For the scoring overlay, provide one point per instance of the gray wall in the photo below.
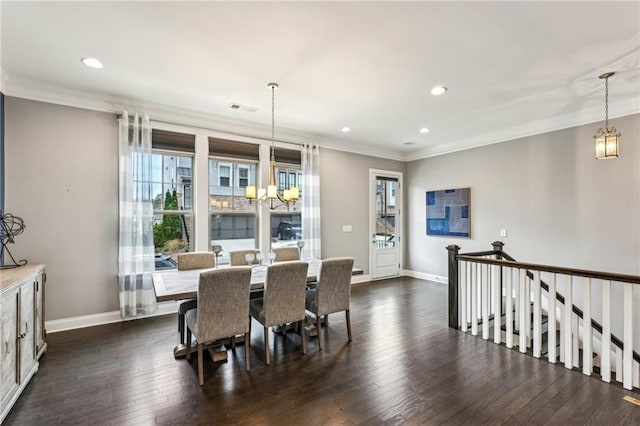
(62, 179)
(344, 196)
(559, 205)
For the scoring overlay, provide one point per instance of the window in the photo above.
(171, 192)
(286, 229)
(293, 182)
(232, 217)
(187, 196)
(172, 216)
(224, 174)
(243, 176)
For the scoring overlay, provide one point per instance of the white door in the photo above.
(385, 223)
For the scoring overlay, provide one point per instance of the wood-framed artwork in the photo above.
(448, 212)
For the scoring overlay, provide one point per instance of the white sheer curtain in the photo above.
(136, 253)
(311, 232)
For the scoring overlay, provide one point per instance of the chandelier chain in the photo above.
(273, 120)
(606, 104)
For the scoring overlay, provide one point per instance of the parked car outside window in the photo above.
(286, 231)
(164, 261)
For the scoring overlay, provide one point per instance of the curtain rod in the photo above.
(313, 146)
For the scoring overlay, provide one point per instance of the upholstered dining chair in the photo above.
(286, 253)
(223, 311)
(332, 293)
(186, 261)
(283, 300)
(237, 257)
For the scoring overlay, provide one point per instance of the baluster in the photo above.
(497, 294)
(469, 285)
(605, 358)
(576, 341)
(463, 296)
(587, 333)
(508, 305)
(474, 300)
(566, 326)
(618, 364)
(551, 320)
(523, 311)
(627, 357)
(537, 316)
(516, 290)
(485, 301)
(527, 306)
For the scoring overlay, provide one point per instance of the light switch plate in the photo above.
(503, 232)
(347, 228)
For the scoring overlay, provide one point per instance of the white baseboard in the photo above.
(72, 323)
(425, 276)
(358, 279)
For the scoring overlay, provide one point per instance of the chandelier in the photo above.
(272, 193)
(607, 139)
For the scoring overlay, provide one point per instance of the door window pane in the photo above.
(386, 213)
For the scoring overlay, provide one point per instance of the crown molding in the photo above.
(188, 118)
(587, 116)
(181, 117)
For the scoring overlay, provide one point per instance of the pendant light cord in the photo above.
(606, 104)
(273, 121)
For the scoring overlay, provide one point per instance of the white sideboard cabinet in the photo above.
(22, 332)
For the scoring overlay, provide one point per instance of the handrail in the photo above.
(509, 261)
(632, 279)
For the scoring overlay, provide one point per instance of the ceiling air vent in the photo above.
(241, 107)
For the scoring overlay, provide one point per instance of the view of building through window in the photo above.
(233, 220)
(171, 180)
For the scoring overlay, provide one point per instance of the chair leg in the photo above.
(302, 336)
(181, 327)
(233, 342)
(318, 321)
(188, 343)
(348, 323)
(267, 360)
(200, 364)
(247, 352)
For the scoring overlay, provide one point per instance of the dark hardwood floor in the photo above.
(404, 366)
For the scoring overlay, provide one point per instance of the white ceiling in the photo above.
(512, 68)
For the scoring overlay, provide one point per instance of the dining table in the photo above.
(180, 285)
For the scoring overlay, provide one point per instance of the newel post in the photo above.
(453, 285)
(497, 247)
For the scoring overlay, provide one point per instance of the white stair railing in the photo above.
(529, 305)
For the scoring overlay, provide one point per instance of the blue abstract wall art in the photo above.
(448, 212)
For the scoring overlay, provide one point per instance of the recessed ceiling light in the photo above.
(424, 130)
(92, 63)
(346, 129)
(438, 90)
